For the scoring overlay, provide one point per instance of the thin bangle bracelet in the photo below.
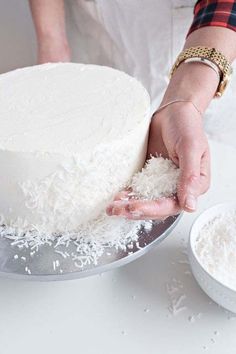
(176, 101)
(206, 62)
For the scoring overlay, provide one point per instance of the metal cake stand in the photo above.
(41, 264)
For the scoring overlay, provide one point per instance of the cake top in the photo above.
(68, 107)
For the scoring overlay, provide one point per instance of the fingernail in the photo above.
(116, 211)
(191, 202)
(116, 207)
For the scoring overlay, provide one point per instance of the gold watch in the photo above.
(210, 54)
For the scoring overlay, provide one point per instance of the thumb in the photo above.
(189, 180)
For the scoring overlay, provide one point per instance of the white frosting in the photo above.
(71, 136)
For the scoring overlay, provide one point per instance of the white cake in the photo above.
(71, 136)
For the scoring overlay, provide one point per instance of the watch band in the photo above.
(212, 55)
(206, 62)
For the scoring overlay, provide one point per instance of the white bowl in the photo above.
(220, 293)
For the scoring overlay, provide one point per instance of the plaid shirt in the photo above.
(221, 13)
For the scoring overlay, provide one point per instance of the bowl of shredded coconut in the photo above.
(212, 253)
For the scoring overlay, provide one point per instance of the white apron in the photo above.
(130, 35)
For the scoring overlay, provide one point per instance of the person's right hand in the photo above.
(177, 133)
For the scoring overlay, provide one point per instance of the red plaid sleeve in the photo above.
(221, 13)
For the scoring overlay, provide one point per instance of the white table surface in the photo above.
(126, 310)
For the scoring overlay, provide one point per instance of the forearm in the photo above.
(198, 82)
(49, 19)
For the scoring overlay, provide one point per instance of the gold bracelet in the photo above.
(210, 54)
(176, 101)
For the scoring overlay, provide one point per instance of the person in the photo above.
(176, 129)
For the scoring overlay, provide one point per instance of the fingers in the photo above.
(205, 174)
(194, 163)
(188, 184)
(144, 209)
(194, 180)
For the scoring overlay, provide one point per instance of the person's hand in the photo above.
(176, 132)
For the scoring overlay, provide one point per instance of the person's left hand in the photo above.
(176, 132)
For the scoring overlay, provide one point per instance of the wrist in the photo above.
(194, 82)
(53, 51)
(180, 109)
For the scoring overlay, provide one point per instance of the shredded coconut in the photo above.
(157, 179)
(79, 190)
(89, 243)
(176, 297)
(216, 248)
